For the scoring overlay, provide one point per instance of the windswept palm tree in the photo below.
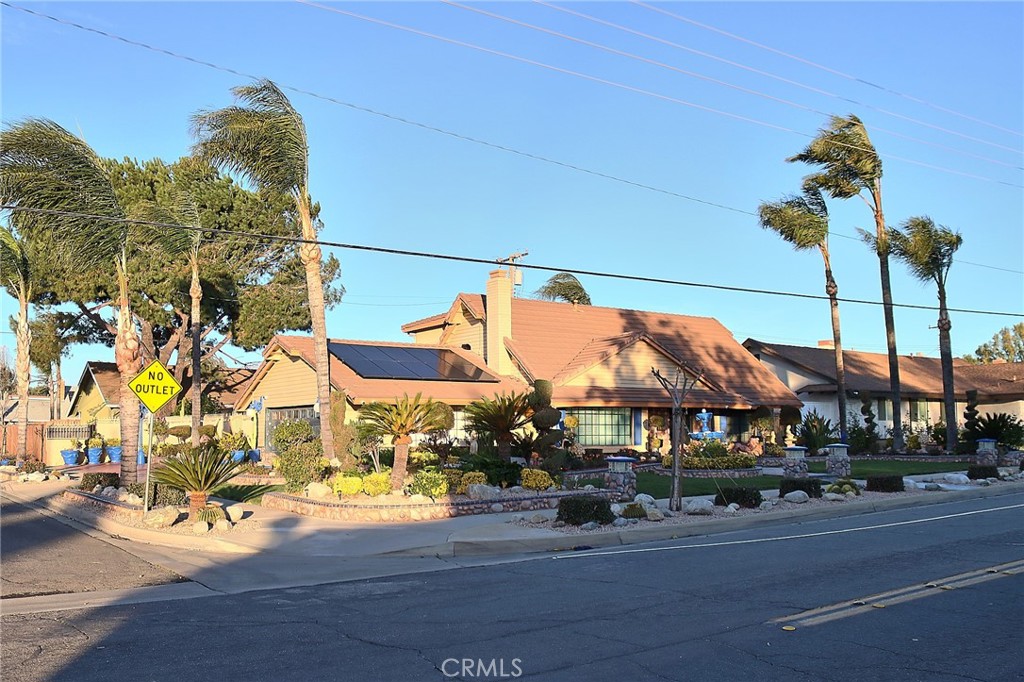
(927, 249)
(44, 167)
(502, 416)
(399, 422)
(263, 139)
(563, 286)
(17, 271)
(803, 222)
(851, 167)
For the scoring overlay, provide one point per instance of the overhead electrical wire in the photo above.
(827, 69)
(726, 84)
(488, 261)
(631, 88)
(424, 126)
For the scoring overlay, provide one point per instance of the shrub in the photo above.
(454, 477)
(159, 495)
(815, 432)
(744, 497)
(419, 459)
(377, 483)
(862, 441)
(811, 486)
(576, 511)
(292, 433)
(180, 432)
(1007, 429)
(705, 448)
(433, 484)
(773, 450)
(211, 513)
(885, 484)
(172, 449)
(470, 478)
(301, 464)
(208, 430)
(725, 462)
(498, 471)
(843, 486)
(347, 486)
(31, 466)
(90, 481)
(634, 510)
(535, 479)
(914, 441)
(976, 471)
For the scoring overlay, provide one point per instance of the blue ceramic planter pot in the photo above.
(94, 455)
(254, 455)
(70, 457)
(114, 452)
(238, 455)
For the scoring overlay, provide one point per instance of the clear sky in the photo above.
(948, 75)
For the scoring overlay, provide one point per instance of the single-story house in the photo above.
(599, 359)
(811, 374)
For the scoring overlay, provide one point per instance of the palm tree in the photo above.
(198, 471)
(17, 271)
(399, 422)
(43, 167)
(502, 416)
(264, 140)
(850, 167)
(928, 251)
(563, 286)
(803, 222)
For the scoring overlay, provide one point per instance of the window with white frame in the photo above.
(603, 425)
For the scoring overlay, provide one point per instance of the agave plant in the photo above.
(399, 421)
(816, 431)
(502, 416)
(198, 471)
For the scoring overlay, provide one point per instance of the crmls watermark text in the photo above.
(496, 668)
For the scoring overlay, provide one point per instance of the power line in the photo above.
(434, 129)
(489, 261)
(634, 89)
(740, 88)
(830, 70)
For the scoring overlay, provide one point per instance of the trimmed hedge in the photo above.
(744, 497)
(811, 486)
(885, 484)
(723, 462)
(159, 495)
(634, 510)
(576, 511)
(90, 481)
(976, 471)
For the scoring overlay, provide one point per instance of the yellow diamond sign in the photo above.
(154, 386)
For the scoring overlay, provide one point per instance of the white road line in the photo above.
(586, 555)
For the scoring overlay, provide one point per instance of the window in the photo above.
(276, 415)
(918, 411)
(884, 410)
(603, 425)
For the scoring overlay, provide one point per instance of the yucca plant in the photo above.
(502, 416)
(816, 431)
(197, 471)
(399, 421)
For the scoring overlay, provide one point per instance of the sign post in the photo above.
(154, 386)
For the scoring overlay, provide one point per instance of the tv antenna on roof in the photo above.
(515, 273)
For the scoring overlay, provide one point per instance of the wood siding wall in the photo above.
(629, 369)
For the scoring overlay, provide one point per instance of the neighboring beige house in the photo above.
(810, 373)
(599, 359)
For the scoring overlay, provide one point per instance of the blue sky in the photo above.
(907, 66)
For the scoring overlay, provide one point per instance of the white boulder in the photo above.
(956, 479)
(700, 507)
(796, 496)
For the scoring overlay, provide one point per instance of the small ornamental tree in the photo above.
(198, 471)
(502, 416)
(399, 421)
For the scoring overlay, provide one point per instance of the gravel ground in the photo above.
(183, 526)
(719, 513)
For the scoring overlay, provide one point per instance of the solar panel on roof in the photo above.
(393, 362)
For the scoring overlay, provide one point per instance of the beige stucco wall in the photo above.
(464, 329)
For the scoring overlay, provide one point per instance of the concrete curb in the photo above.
(111, 528)
(457, 547)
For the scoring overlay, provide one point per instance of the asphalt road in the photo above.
(39, 555)
(694, 609)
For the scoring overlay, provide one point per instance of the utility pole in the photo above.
(677, 390)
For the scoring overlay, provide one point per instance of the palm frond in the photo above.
(198, 470)
(262, 139)
(846, 155)
(564, 286)
(404, 418)
(800, 220)
(173, 241)
(502, 415)
(15, 268)
(926, 248)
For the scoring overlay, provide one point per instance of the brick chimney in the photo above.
(499, 322)
(827, 343)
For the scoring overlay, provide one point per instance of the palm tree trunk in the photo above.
(832, 289)
(890, 321)
(129, 362)
(505, 449)
(195, 292)
(311, 257)
(196, 501)
(401, 464)
(23, 366)
(946, 355)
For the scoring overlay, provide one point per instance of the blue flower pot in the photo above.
(254, 455)
(94, 455)
(238, 455)
(70, 457)
(4, 462)
(114, 452)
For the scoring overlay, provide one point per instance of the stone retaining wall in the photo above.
(709, 473)
(401, 512)
(103, 505)
(965, 459)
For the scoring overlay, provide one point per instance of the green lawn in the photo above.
(865, 468)
(245, 493)
(660, 486)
